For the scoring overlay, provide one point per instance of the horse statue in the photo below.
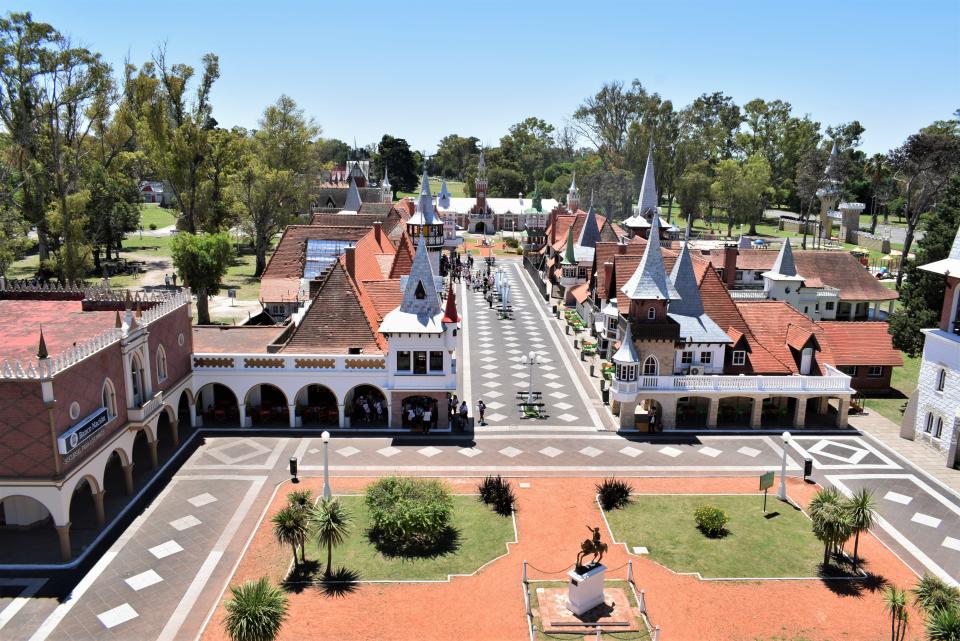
(592, 546)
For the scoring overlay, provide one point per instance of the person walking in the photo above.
(464, 410)
(481, 408)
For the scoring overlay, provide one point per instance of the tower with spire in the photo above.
(443, 198)
(829, 192)
(573, 195)
(480, 184)
(386, 189)
(353, 202)
(647, 203)
(426, 224)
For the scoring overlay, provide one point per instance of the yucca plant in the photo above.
(255, 611)
(895, 600)
(861, 509)
(497, 492)
(831, 522)
(943, 624)
(331, 526)
(613, 493)
(933, 593)
(290, 527)
(301, 499)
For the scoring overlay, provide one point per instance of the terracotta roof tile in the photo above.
(370, 254)
(403, 259)
(581, 292)
(339, 318)
(238, 339)
(861, 343)
(385, 295)
(281, 278)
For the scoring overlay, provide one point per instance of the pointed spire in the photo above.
(117, 322)
(482, 164)
(650, 281)
(647, 203)
(784, 265)
(450, 313)
(139, 313)
(685, 281)
(353, 201)
(443, 198)
(590, 233)
(628, 351)
(569, 258)
(537, 200)
(42, 348)
(420, 293)
(425, 203)
(573, 195)
(386, 179)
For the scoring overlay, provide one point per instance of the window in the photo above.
(136, 381)
(652, 314)
(436, 361)
(403, 361)
(626, 372)
(849, 370)
(828, 306)
(108, 398)
(686, 358)
(419, 362)
(650, 367)
(420, 293)
(941, 380)
(706, 357)
(612, 324)
(739, 357)
(875, 371)
(582, 272)
(806, 309)
(161, 364)
(939, 429)
(929, 424)
(739, 275)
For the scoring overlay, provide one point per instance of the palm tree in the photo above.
(290, 527)
(943, 624)
(895, 601)
(255, 612)
(831, 523)
(301, 499)
(933, 593)
(331, 525)
(861, 509)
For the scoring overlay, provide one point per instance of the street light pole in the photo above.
(782, 490)
(326, 464)
(530, 358)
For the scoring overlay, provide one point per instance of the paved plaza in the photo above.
(164, 574)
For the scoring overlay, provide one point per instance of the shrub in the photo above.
(613, 493)
(300, 499)
(711, 520)
(511, 242)
(410, 516)
(497, 492)
(255, 611)
(153, 226)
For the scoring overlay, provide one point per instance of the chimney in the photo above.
(622, 249)
(377, 230)
(730, 252)
(607, 275)
(351, 260)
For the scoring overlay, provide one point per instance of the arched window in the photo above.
(161, 364)
(108, 397)
(941, 380)
(939, 429)
(136, 380)
(650, 366)
(652, 314)
(928, 426)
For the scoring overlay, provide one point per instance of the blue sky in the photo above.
(422, 70)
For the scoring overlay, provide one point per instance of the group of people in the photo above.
(458, 412)
(420, 414)
(368, 410)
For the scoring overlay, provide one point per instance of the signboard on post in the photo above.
(766, 482)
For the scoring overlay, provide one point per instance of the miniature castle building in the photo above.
(829, 193)
(426, 224)
(933, 416)
(647, 205)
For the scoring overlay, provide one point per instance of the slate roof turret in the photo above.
(649, 281)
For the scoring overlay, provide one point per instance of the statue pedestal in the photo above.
(585, 591)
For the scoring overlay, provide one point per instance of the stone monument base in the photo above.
(586, 588)
(614, 614)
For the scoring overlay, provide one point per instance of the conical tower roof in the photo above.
(647, 203)
(590, 233)
(425, 214)
(386, 179)
(569, 257)
(784, 265)
(628, 351)
(450, 314)
(443, 198)
(353, 201)
(685, 281)
(420, 294)
(650, 281)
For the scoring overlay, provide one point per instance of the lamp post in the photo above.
(782, 490)
(529, 359)
(326, 464)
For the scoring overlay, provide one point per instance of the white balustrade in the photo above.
(835, 381)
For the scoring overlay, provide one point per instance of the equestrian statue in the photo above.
(590, 546)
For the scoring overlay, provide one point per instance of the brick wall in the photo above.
(25, 444)
(166, 331)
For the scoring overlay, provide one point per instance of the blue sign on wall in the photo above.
(82, 431)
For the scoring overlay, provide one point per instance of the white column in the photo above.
(342, 418)
(800, 413)
(242, 407)
(756, 413)
(292, 411)
(842, 412)
(713, 409)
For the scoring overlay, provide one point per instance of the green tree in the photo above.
(202, 261)
(921, 295)
(605, 118)
(331, 525)
(876, 170)
(13, 238)
(394, 154)
(861, 510)
(809, 175)
(330, 152)
(255, 611)
(290, 527)
(528, 149)
(300, 499)
(455, 155)
(709, 126)
(895, 601)
(933, 593)
(830, 521)
(693, 191)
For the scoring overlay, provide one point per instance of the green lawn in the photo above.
(780, 546)
(483, 536)
(455, 187)
(903, 382)
(156, 215)
(642, 635)
(240, 277)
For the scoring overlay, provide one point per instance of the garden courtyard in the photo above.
(484, 600)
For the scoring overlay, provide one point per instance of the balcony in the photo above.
(734, 385)
(146, 411)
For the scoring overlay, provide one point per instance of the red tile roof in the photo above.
(368, 254)
(861, 343)
(581, 292)
(339, 318)
(403, 259)
(385, 294)
(281, 278)
(64, 323)
(772, 324)
(239, 339)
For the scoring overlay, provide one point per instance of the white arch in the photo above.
(652, 361)
(286, 396)
(303, 391)
(108, 397)
(161, 357)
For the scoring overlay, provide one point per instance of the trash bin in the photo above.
(554, 310)
(807, 468)
(605, 394)
(293, 466)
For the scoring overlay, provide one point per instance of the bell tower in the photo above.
(481, 184)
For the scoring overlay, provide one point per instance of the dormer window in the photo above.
(420, 293)
(354, 350)
(652, 313)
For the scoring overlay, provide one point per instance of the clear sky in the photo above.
(421, 70)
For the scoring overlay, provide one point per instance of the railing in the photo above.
(291, 362)
(145, 411)
(835, 382)
(748, 294)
